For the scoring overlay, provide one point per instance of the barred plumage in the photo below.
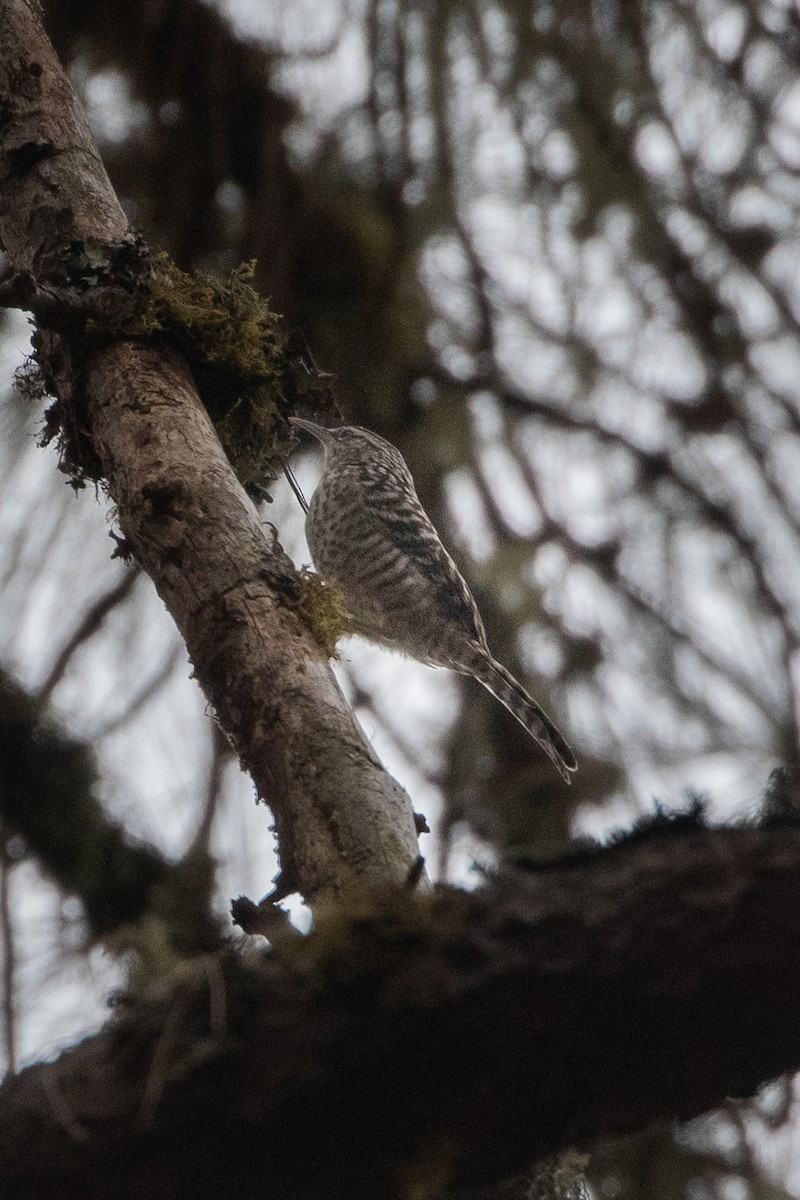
(368, 532)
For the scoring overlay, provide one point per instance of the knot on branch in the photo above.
(88, 288)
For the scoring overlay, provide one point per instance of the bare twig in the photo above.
(89, 625)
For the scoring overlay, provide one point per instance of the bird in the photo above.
(369, 534)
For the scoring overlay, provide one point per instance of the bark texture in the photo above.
(436, 1042)
(340, 817)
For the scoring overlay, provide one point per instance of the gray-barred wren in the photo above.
(369, 534)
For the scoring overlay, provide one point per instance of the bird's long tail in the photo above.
(502, 684)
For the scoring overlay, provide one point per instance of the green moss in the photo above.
(224, 322)
(322, 607)
(236, 348)
(249, 374)
(29, 383)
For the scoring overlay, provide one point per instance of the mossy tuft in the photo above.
(250, 373)
(322, 607)
(236, 347)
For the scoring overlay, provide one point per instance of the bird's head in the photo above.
(350, 444)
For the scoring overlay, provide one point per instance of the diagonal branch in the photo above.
(91, 621)
(339, 816)
(49, 797)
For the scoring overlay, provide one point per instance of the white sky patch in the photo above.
(784, 453)
(656, 150)
(285, 511)
(617, 228)
(15, 343)
(711, 122)
(794, 672)
(716, 777)
(784, 134)
(586, 606)
(114, 114)
(754, 205)
(135, 642)
(756, 312)
(50, 565)
(486, 416)
(542, 291)
(458, 362)
(439, 335)
(725, 699)
(469, 515)
(445, 273)
(168, 814)
(230, 197)
(64, 995)
(421, 700)
(690, 233)
(756, 513)
(599, 821)
(510, 246)
(549, 566)
(722, 152)
(540, 650)
(619, 407)
(781, 269)
(769, 420)
(606, 308)
(243, 843)
(469, 860)
(498, 32)
(726, 29)
(324, 88)
(558, 155)
(499, 159)
(529, 265)
(667, 362)
(785, 185)
(570, 480)
(306, 25)
(508, 487)
(777, 360)
(637, 702)
(764, 68)
(536, 364)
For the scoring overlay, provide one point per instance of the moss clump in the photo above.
(236, 348)
(322, 607)
(250, 374)
(29, 383)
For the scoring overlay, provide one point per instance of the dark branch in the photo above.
(511, 1023)
(48, 797)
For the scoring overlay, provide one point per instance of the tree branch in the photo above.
(48, 796)
(339, 816)
(511, 1022)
